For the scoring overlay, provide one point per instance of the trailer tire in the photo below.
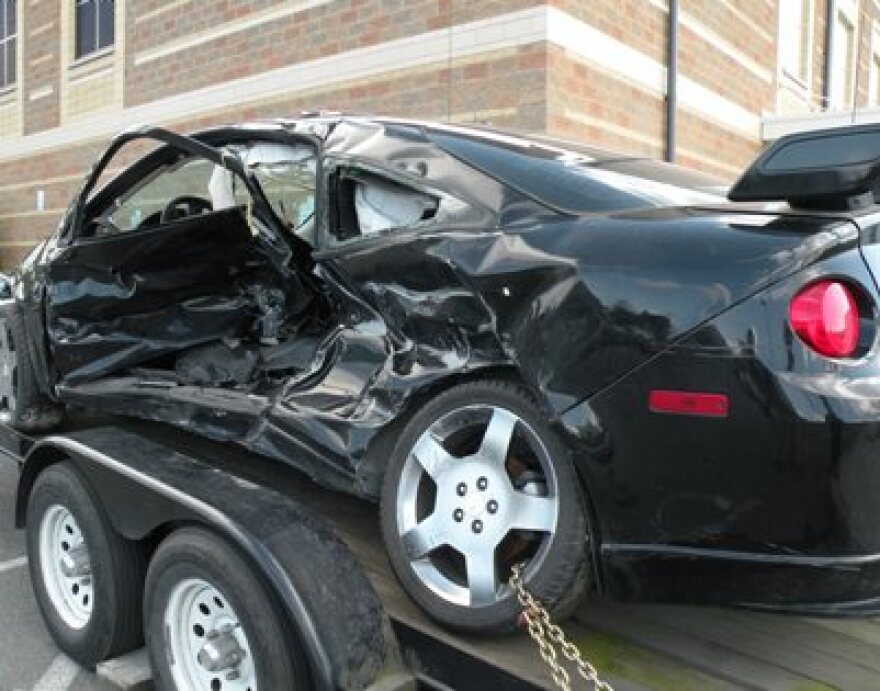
(96, 615)
(198, 585)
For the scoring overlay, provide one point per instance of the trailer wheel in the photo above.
(210, 623)
(22, 405)
(477, 483)
(88, 580)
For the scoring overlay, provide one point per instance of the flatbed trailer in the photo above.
(146, 470)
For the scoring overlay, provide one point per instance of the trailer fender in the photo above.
(146, 489)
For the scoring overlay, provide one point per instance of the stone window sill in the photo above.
(99, 58)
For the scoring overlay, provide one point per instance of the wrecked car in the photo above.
(527, 350)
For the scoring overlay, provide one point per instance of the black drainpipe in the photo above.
(831, 6)
(672, 82)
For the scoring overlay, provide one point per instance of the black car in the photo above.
(529, 351)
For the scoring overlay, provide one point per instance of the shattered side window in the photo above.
(367, 204)
(382, 206)
(287, 175)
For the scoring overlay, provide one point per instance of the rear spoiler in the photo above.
(830, 169)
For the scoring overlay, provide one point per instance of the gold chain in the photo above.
(551, 639)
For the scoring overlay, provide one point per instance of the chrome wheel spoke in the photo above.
(457, 503)
(533, 513)
(432, 456)
(482, 577)
(425, 537)
(499, 433)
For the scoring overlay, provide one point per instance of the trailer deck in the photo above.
(635, 647)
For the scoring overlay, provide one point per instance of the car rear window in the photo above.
(576, 183)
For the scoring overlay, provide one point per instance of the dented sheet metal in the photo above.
(316, 359)
(308, 329)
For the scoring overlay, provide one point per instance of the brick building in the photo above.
(74, 72)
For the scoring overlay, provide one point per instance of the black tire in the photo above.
(117, 570)
(194, 553)
(30, 410)
(562, 578)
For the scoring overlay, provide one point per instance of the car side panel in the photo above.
(790, 471)
(118, 301)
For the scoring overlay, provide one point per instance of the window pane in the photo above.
(190, 178)
(106, 27)
(875, 80)
(806, 41)
(842, 64)
(10, 16)
(794, 37)
(10, 61)
(86, 27)
(3, 4)
(3, 69)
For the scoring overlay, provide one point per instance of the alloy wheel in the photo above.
(477, 495)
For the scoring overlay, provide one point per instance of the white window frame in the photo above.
(98, 49)
(874, 68)
(849, 9)
(5, 7)
(804, 81)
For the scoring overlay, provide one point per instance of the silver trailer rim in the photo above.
(8, 373)
(66, 567)
(469, 508)
(207, 646)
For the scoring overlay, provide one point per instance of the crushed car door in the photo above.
(150, 265)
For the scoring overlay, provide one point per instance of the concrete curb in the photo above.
(128, 673)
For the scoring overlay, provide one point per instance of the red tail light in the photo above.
(826, 317)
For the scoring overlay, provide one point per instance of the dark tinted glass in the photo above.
(7, 43)
(86, 27)
(565, 180)
(106, 26)
(826, 150)
(10, 61)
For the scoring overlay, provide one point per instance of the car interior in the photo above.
(178, 280)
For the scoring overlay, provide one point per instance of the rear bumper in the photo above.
(844, 585)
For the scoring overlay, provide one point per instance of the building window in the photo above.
(8, 53)
(874, 78)
(843, 55)
(795, 38)
(95, 26)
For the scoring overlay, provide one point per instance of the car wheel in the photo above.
(477, 483)
(22, 405)
(87, 579)
(210, 623)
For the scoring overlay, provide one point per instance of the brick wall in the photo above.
(39, 42)
(588, 69)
